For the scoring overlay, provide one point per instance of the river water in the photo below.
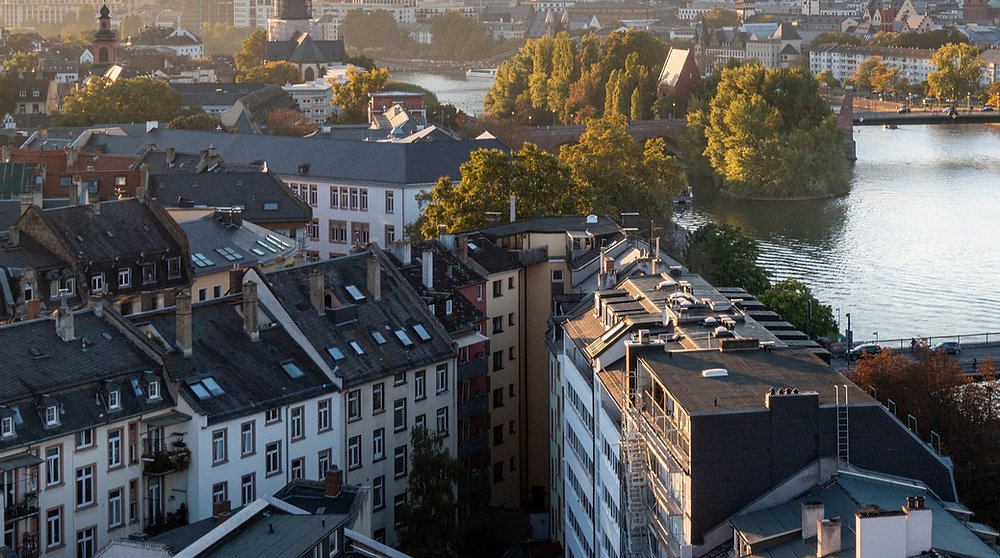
(912, 250)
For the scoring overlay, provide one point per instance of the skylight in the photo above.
(270, 206)
(404, 338)
(212, 386)
(229, 253)
(357, 348)
(336, 353)
(421, 332)
(200, 260)
(293, 370)
(379, 338)
(355, 293)
(268, 246)
(258, 251)
(199, 391)
(277, 240)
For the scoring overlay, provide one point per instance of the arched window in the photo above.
(102, 54)
(309, 74)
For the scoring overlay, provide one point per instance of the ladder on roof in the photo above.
(633, 446)
(843, 428)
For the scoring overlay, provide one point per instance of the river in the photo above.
(908, 252)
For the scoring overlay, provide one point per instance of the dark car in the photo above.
(987, 108)
(949, 347)
(864, 350)
(903, 110)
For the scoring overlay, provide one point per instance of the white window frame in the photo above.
(125, 277)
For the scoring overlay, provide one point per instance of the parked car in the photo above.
(987, 108)
(950, 111)
(903, 110)
(864, 350)
(949, 347)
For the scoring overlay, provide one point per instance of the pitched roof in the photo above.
(303, 49)
(214, 94)
(673, 66)
(222, 245)
(255, 192)
(449, 274)
(491, 257)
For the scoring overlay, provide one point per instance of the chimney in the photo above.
(183, 307)
(317, 291)
(5, 154)
(375, 277)
(402, 249)
(828, 537)
(27, 200)
(880, 533)
(71, 156)
(74, 192)
(462, 246)
(812, 514)
(919, 521)
(655, 258)
(212, 151)
(170, 156)
(142, 191)
(250, 308)
(221, 510)
(64, 318)
(332, 481)
(97, 304)
(513, 208)
(427, 263)
(33, 308)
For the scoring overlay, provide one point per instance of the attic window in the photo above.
(422, 332)
(114, 399)
(229, 253)
(270, 206)
(65, 181)
(51, 415)
(292, 370)
(404, 338)
(206, 388)
(153, 389)
(200, 260)
(276, 240)
(355, 293)
(7, 427)
(379, 338)
(357, 348)
(336, 353)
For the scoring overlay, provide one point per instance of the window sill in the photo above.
(272, 474)
(220, 462)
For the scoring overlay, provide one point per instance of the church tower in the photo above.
(105, 43)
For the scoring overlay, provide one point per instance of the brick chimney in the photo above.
(251, 323)
(462, 246)
(64, 319)
(221, 510)
(375, 277)
(183, 306)
(332, 481)
(317, 291)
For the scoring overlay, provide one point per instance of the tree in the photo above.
(373, 30)
(352, 95)
(933, 39)
(884, 38)
(724, 256)
(826, 79)
(27, 62)
(959, 71)
(792, 300)
(993, 93)
(836, 38)
(289, 122)
(124, 100)
(428, 519)
(130, 26)
(223, 39)
(541, 184)
(252, 53)
(456, 37)
(195, 120)
(279, 72)
(719, 17)
(620, 174)
(862, 76)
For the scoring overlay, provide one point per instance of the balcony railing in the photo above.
(475, 443)
(26, 507)
(164, 462)
(476, 367)
(475, 405)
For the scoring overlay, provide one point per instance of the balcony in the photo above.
(474, 444)
(164, 462)
(26, 507)
(476, 367)
(475, 405)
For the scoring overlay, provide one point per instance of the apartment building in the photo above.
(842, 60)
(395, 361)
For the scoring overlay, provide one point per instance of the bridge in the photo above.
(551, 137)
(924, 118)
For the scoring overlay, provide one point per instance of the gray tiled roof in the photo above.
(250, 190)
(249, 373)
(398, 309)
(349, 160)
(305, 50)
(491, 257)
(214, 94)
(450, 274)
(208, 235)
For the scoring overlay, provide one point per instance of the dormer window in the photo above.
(125, 277)
(97, 283)
(447, 307)
(148, 273)
(114, 399)
(51, 415)
(7, 427)
(153, 390)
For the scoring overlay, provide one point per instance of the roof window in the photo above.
(206, 388)
(404, 338)
(200, 260)
(336, 353)
(379, 338)
(292, 370)
(270, 206)
(422, 332)
(355, 293)
(357, 348)
(229, 253)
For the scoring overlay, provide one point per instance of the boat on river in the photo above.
(486, 73)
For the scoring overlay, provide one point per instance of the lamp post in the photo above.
(850, 340)
(673, 109)
(876, 337)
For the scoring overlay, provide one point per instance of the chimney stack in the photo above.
(375, 277)
(170, 156)
(317, 291)
(513, 208)
(251, 323)
(64, 318)
(71, 156)
(142, 191)
(462, 246)
(812, 514)
(74, 192)
(427, 269)
(333, 479)
(828, 537)
(5, 154)
(403, 251)
(27, 200)
(97, 304)
(919, 524)
(183, 307)
(221, 510)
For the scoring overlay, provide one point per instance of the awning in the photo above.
(470, 339)
(169, 419)
(18, 461)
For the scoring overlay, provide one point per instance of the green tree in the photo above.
(541, 184)
(836, 38)
(933, 39)
(196, 119)
(373, 30)
(959, 71)
(130, 26)
(719, 17)
(622, 175)
(456, 37)
(352, 95)
(27, 62)
(252, 53)
(862, 76)
(223, 39)
(884, 38)
(792, 300)
(826, 79)
(885, 78)
(124, 100)
(279, 72)
(724, 256)
(428, 519)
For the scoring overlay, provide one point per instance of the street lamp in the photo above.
(876, 337)
(673, 109)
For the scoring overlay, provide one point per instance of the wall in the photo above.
(508, 490)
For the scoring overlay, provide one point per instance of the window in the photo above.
(115, 508)
(114, 399)
(354, 404)
(202, 294)
(217, 291)
(298, 468)
(498, 324)
(343, 199)
(497, 360)
(510, 283)
(85, 438)
(247, 439)
(298, 430)
(510, 426)
(272, 458)
(272, 415)
(442, 421)
(390, 202)
(497, 289)
(420, 385)
(398, 503)
(399, 379)
(479, 292)
(53, 527)
(173, 268)
(53, 465)
(120, 181)
(399, 462)
(7, 427)
(325, 457)
(510, 319)
(133, 500)
(148, 273)
(360, 232)
(153, 390)
(220, 491)
(313, 230)
(378, 493)
(85, 543)
(354, 198)
(399, 415)
(441, 376)
(85, 486)
(378, 444)
(97, 283)
(448, 307)
(378, 398)
(219, 447)
(248, 490)
(420, 421)
(354, 452)
(498, 435)
(510, 353)
(323, 417)
(510, 390)
(390, 234)
(313, 195)
(498, 398)
(52, 416)
(498, 472)
(114, 449)
(364, 199)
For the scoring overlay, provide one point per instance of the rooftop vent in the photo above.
(591, 219)
(714, 373)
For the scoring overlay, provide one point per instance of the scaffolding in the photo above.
(635, 459)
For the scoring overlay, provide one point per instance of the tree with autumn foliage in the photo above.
(289, 122)
(352, 95)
